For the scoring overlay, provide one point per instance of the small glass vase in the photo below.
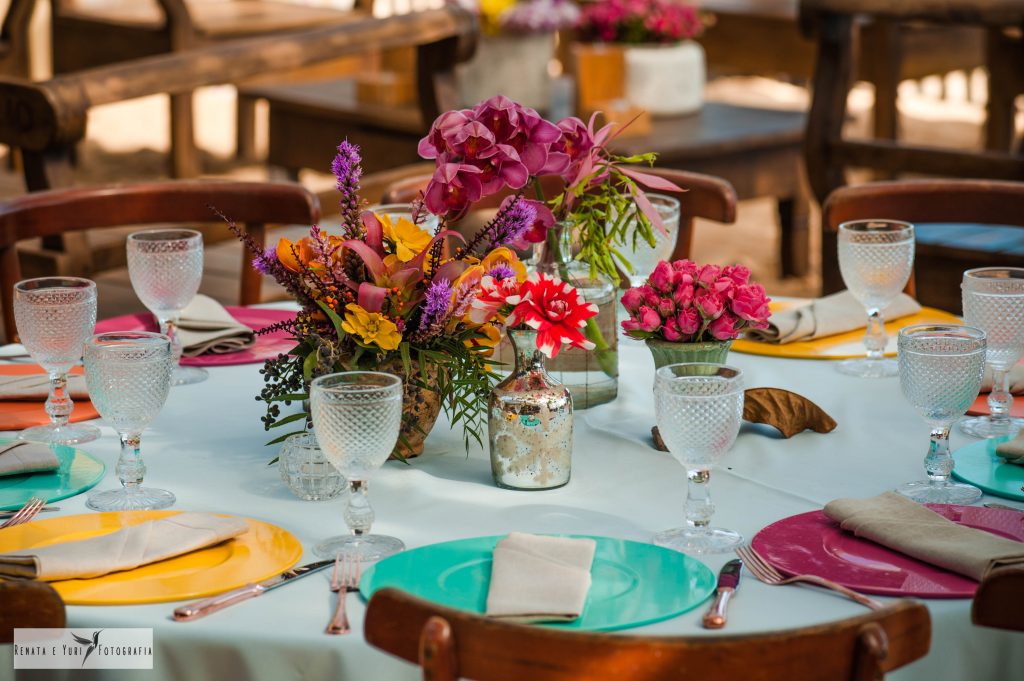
(592, 376)
(666, 352)
(530, 422)
(306, 471)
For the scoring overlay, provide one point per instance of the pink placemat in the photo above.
(267, 346)
(811, 543)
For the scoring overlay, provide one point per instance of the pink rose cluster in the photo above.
(498, 144)
(639, 21)
(687, 303)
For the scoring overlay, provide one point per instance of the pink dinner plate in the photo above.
(267, 346)
(811, 543)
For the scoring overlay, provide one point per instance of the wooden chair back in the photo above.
(972, 202)
(45, 214)
(705, 196)
(997, 602)
(14, 48)
(452, 644)
(29, 605)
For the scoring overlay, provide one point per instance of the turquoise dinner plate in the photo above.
(78, 472)
(633, 583)
(978, 464)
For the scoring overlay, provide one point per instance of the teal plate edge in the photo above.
(634, 583)
(977, 464)
(47, 483)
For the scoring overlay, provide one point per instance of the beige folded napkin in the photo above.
(837, 313)
(1012, 450)
(1016, 379)
(536, 578)
(124, 549)
(26, 457)
(912, 529)
(36, 387)
(206, 327)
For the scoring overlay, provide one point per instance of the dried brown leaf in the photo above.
(659, 444)
(789, 412)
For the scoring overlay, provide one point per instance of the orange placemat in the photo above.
(21, 415)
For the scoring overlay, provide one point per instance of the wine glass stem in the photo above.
(999, 399)
(58, 402)
(938, 463)
(130, 468)
(874, 335)
(699, 508)
(358, 513)
(169, 328)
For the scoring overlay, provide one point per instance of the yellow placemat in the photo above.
(262, 552)
(842, 345)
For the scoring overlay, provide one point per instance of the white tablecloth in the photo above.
(207, 446)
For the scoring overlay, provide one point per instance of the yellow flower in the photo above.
(492, 336)
(505, 256)
(409, 239)
(371, 327)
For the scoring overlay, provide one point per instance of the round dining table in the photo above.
(208, 446)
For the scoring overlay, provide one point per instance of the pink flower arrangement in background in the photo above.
(639, 21)
(684, 302)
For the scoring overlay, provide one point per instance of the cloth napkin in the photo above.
(837, 313)
(536, 578)
(206, 327)
(26, 457)
(1012, 450)
(912, 529)
(124, 549)
(1016, 379)
(36, 387)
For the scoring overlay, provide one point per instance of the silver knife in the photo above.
(194, 611)
(728, 580)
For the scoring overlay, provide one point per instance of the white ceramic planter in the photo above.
(515, 66)
(665, 79)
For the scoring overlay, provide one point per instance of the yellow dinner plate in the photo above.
(842, 345)
(262, 552)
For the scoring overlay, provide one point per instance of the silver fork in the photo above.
(769, 575)
(26, 513)
(342, 584)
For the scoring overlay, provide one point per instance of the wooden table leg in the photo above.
(245, 131)
(184, 155)
(794, 226)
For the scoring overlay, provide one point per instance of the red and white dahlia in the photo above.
(494, 294)
(556, 311)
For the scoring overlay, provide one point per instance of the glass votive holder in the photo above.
(308, 474)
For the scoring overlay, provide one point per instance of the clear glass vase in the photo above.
(592, 376)
(529, 422)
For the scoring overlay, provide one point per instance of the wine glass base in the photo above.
(984, 427)
(138, 499)
(188, 375)
(868, 368)
(366, 547)
(706, 540)
(928, 492)
(68, 434)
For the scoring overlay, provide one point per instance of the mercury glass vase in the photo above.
(530, 422)
(666, 352)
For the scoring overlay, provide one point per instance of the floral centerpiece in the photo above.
(664, 67)
(687, 312)
(516, 46)
(502, 146)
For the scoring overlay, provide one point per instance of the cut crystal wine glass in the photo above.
(166, 267)
(357, 415)
(129, 376)
(645, 257)
(941, 366)
(55, 316)
(699, 408)
(993, 300)
(876, 258)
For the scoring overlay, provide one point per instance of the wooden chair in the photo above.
(960, 224)
(89, 33)
(706, 197)
(14, 49)
(44, 214)
(451, 644)
(828, 154)
(997, 603)
(30, 605)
